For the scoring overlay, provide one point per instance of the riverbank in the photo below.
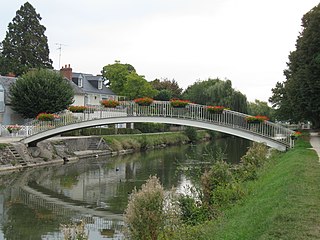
(284, 203)
(60, 150)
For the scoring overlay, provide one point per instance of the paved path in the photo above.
(315, 142)
(9, 139)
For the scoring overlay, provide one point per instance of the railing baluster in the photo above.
(164, 109)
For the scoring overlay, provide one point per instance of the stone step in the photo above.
(17, 156)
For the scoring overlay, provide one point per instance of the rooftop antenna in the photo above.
(60, 48)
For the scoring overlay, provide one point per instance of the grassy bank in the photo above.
(284, 203)
(146, 141)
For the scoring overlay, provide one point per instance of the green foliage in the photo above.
(117, 74)
(124, 80)
(261, 108)
(163, 95)
(255, 158)
(25, 45)
(3, 146)
(298, 98)
(216, 92)
(167, 89)
(40, 91)
(101, 131)
(145, 141)
(283, 203)
(219, 185)
(191, 133)
(145, 215)
(192, 211)
(151, 127)
(137, 87)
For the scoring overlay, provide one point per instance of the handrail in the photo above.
(196, 112)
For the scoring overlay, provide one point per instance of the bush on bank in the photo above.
(221, 186)
(283, 202)
(143, 141)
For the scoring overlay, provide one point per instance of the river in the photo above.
(34, 203)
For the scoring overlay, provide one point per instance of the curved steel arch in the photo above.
(215, 126)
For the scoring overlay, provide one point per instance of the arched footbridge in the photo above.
(194, 115)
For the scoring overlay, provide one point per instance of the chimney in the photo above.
(66, 72)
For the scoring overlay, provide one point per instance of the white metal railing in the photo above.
(194, 112)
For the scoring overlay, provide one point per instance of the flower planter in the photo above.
(13, 128)
(256, 119)
(215, 109)
(77, 109)
(110, 103)
(146, 101)
(179, 106)
(47, 117)
(254, 122)
(177, 103)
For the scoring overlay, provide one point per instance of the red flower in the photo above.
(179, 103)
(145, 101)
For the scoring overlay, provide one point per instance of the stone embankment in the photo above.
(16, 156)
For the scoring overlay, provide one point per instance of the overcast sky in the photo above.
(246, 41)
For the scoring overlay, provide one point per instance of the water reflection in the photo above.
(94, 190)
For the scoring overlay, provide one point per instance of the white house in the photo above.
(88, 89)
(91, 89)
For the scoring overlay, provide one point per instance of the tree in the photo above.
(261, 108)
(116, 75)
(216, 92)
(25, 45)
(163, 95)
(167, 85)
(298, 98)
(136, 86)
(40, 91)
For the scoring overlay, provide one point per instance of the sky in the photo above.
(246, 41)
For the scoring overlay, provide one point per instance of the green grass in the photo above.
(284, 203)
(3, 146)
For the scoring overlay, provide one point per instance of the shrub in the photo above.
(219, 185)
(40, 90)
(151, 127)
(145, 217)
(191, 133)
(251, 161)
(256, 155)
(192, 211)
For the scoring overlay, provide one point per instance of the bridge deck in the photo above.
(193, 115)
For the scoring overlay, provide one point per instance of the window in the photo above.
(1, 99)
(99, 84)
(80, 82)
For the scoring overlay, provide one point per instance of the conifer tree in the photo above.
(25, 45)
